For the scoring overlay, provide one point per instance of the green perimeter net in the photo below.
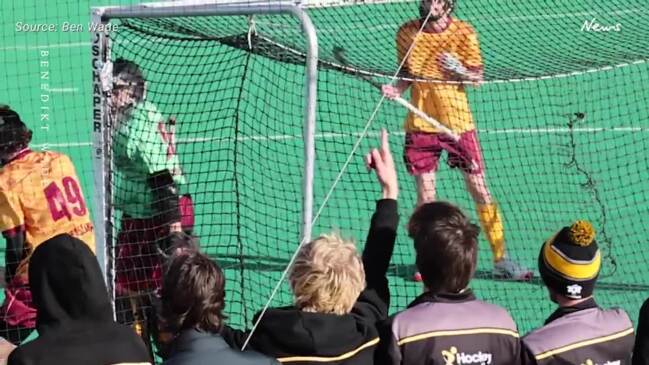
(561, 117)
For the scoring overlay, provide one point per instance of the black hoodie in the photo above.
(74, 320)
(641, 349)
(296, 337)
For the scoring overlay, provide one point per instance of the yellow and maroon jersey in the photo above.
(445, 102)
(40, 194)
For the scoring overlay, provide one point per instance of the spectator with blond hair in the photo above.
(316, 289)
(339, 295)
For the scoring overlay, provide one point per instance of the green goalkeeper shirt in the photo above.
(142, 145)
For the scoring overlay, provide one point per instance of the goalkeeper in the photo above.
(148, 179)
(447, 49)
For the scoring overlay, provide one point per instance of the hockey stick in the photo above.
(172, 131)
(339, 55)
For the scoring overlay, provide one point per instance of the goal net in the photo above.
(561, 117)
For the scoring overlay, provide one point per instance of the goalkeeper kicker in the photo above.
(447, 49)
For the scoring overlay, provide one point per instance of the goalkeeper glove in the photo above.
(165, 196)
(175, 243)
(453, 64)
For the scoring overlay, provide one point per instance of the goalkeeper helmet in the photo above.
(14, 134)
(425, 6)
(127, 75)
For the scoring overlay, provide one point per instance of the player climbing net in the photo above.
(560, 117)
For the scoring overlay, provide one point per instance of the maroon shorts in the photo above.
(422, 152)
(138, 265)
(17, 309)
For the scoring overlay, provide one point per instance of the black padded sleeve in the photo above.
(165, 196)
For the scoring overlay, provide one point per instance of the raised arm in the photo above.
(383, 229)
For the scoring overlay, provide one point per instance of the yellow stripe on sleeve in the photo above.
(473, 331)
(344, 356)
(585, 343)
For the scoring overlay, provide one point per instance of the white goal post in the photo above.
(101, 17)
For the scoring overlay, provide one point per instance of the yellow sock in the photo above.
(492, 225)
(137, 321)
(137, 326)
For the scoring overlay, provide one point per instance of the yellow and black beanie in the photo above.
(569, 262)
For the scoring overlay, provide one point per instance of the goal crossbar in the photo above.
(190, 8)
(242, 4)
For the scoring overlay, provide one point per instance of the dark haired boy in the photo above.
(193, 299)
(447, 324)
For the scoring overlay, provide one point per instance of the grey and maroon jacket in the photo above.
(450, 329)
(583, 334)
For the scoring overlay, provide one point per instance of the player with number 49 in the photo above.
(40, 198)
